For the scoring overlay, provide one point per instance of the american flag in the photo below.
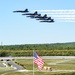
(38, 60)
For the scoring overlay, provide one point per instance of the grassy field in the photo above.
(62, 64)
(56, 64)
(27, 63)
(38, 73)
(0, 62)
(4, 68)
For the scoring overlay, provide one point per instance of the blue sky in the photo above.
(18, 29)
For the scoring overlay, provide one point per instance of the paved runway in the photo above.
(16, 66)
(1, 65)
(45, 57)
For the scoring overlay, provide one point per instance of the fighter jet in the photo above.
(47, 18)
(42, 17)
(35, 13)
(38, 16)
(48, 21)
(22, 11)
(35, 16)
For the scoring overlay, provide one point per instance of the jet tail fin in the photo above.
(26, 10)
(35, 13)
(45, 16)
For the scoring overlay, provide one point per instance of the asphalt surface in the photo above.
(1, 65)
(15, 66)
(45, 57)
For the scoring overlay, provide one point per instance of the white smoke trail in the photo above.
(60, 15)
(67, 16)
(53, 11)
(64, 20)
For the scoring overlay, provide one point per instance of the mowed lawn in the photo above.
(56, 64)
(0, 62)
(61, 64)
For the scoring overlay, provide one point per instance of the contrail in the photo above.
(64, 20)
(67, 16)
(60, 15)
(53, 11)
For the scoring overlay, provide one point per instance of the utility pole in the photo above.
(1, 43)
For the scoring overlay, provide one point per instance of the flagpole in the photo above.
(33, 62)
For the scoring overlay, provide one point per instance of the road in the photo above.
(58, 57)
(15, 66)
(1, 65)
(44, 57)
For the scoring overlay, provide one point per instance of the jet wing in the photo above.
(49, 21)
(35, 13)
(35, 16)
(42, 17)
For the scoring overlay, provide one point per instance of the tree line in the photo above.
(56, 46)
(57, 49)
(19, 53)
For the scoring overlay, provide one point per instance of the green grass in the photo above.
(5, 68)
(0, 62)
(37, 73)
(68, 65)
(48, 73)
(72, 61)
(63, 67)
(17, 73)
(54, 60)
(28, 64)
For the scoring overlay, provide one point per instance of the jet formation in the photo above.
(35, 15)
